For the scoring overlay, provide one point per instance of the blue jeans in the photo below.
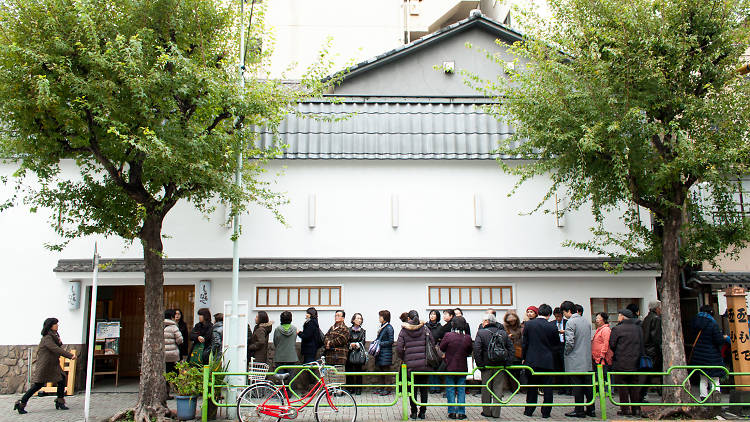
(456, 394)
(433, 379)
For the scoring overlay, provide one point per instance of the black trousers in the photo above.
(353, 380)
(169, 367)
(38, 386)
(423, 393)
(532, 393)
(579, 391)
(628, 394)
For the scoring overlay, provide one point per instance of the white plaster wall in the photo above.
(353, 220)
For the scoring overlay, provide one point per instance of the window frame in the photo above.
(298, 288)
(461, 304)
(625, 302)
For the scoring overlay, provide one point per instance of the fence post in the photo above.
(204, 404)
(404, 393)
(602, 396)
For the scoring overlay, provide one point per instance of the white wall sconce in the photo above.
(477, 211)
(560, 205)
(312, 210)
(394, 211)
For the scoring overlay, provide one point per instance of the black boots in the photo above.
(60, 404)
(20, 406)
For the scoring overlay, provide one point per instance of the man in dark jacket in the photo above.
(489, 329)
(625, 342)
(540, 343)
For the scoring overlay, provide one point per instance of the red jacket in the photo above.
(457, 348)
(600, 346)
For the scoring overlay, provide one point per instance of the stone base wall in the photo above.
(14, 365)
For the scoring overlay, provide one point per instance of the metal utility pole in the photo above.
(92, 333)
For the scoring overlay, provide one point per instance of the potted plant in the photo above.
(216, 364)
(188, 385)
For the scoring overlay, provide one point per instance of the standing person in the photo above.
(490, 328)
(310, 337)
(488, 311)
(410, 347)
(460, 312)
(545, 311)
(172, 341)
(540, 343)
(257, 346)
(384, 359)
(179, 317)
(435, 330)
(336, 341)
(47, 367)
(626, 344)
(652, 341)
(201, 337)
(284, 339)
(457, 347)
(217, 335)
(448, 315)
(357, 337)
(600, 351)
(578, 357)
(560, 324)
(707, 339)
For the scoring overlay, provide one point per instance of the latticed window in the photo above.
(497, 296)
(611, 306)
(297, 296)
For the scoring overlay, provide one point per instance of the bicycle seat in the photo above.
(281, 377)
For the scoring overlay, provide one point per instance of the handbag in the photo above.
(434, 360)
(645, 361)
(196, 356)
(374, 349)
(518, 351)
(358, 356)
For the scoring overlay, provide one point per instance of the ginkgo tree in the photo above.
(144, 98)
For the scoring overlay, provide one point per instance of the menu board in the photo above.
(107, 329)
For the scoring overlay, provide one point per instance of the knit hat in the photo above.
(533, 308)
(627, 313)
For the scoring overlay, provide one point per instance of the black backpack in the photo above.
(497, 353)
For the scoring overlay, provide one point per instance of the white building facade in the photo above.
(402, 206)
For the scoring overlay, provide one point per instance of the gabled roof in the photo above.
(475, 20)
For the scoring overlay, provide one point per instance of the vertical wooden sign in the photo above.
(739, 334)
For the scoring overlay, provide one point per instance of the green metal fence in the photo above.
(603, 386)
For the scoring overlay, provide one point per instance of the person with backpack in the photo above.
(492, 347)
(457, 347)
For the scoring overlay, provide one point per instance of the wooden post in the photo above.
(739, 333)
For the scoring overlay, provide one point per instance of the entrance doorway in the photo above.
(126, 304)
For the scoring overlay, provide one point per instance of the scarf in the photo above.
(356, 328)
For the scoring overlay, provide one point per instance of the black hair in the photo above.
(568, 306)
(313, 313)
(436, 313)
(386, 315)
(181, 323)
(460, 325)
(285, 317)
(604, 315)
(557, 311)
(343, 314)
(355, 317)
(262, 317)
(634, 308)
(219, 317)
(449, 312)
(545, 310)
(169, 314)
(414, 316)
(206, 315)
(707, 309)
(47, 326)
(459, 310)
(404, 317)
(579, 309)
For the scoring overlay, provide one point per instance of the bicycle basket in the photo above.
(257, 372)
(334, 375)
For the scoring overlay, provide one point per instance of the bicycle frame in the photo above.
(283, 411)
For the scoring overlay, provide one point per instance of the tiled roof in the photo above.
(354, 264)
(716, 277)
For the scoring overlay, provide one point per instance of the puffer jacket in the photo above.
(457, 348)
(707, 350)
(411, 346)
(257, 347)
(336, 343)
(172, 341)
(385, 335)
(626, 344)
(217, 338)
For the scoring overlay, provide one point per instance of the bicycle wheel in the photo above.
(344, 407)
(255, 395)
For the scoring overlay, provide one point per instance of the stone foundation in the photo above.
(14, 365)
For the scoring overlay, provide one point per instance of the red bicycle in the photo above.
(267, 401)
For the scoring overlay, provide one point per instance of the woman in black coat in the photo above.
(626, 344)
(433, 324)
(201, 334)
(310, 336)
(708, 339)
(182, 326)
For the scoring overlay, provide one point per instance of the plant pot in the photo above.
(186, 406)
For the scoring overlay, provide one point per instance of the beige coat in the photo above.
(172, 339)
(47, 367)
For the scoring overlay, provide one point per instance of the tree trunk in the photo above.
(152, 393)
(673, 348)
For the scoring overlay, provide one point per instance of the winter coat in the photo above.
(185, 339)
(541, 343)
(445, 329)
(652, 335)
(309, 339)
(435, 329)
(626, 344)
(336, 342)
(257, 346)
(357, 336)
(284, 343)
(577, 344)
(482, 344)
(47, 368)
(516, 337)
(600, 351)
(707, 351)
(411, 346)
(457, 347)
(385, 335)
(203, 330)
(172, 341)
(217, 338)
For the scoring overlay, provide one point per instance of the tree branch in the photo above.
(218, 119)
